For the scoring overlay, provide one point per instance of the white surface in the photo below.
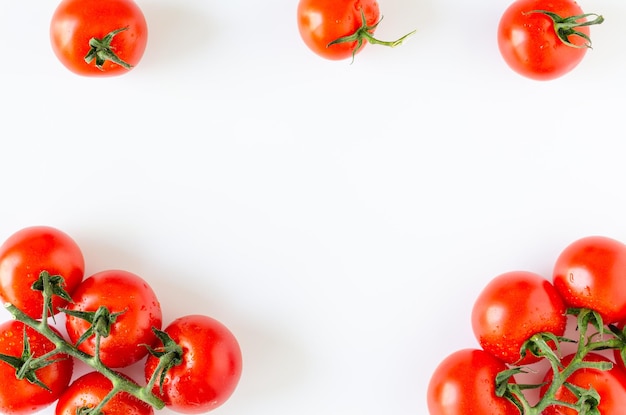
(339, 218)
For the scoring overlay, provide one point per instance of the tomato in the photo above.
(28, 252)
(322, 21)
(21, 396)
(610, 385)
(513, 307)
(120, 292)
(339, 29)
(464, 383)
(591, 273)
(530, 45)
(210, 369)
(112, 30)
(88, 391)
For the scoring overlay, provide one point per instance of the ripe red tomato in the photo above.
(464, 383)
(119, 291)
(210, 369)
(513, 307)
(76, 23)
(322, 21)
(591, 273)
(88, 391)
(28, 252)
(529, 43)
(20, 397)
(610, 385)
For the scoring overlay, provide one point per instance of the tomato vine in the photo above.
(27, 368)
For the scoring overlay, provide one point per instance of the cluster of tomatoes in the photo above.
(540, 39)
(113, 320)
(520, 319)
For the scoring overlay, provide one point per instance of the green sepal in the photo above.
(169, 355)
(22, 366)
(565, 27)
(364, 33)
(588, 399)
(538, 345)
(101, 321)
(50, 286)
(100, 50)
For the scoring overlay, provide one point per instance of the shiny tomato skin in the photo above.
(323, 21)
(591, 273)
(211, 367)
(20, 397)
(529, 44)
(28, 252)
(89, 389)
(464, 384)
(610, 384)
(513, 307)
(118, 290)
(75, 22)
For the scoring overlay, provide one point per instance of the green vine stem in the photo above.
(62, 347)
(364, 33)
(611, 339)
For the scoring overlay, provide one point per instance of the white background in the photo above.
(339, 218)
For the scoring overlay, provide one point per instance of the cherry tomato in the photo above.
(530, 45)
(210, 369)
(464, 383)
(323, 21)
(120, 292)
(610, 385)
(88, 391)
(28, 252)
(98, 37)
(591, 273)
(513, 307)
(18, 397)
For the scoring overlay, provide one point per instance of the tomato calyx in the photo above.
(169, 355)
(101, 321)
(364, 34)
(86, 410)
(565, 27)
(546, 345)
(25, 366)
(53, 285)
(100, 50)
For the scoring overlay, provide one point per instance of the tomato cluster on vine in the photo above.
(521, 321)
(113, 319)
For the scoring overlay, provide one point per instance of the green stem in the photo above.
(564, 27)
(561, 374)
(364, 33)
(120, 383)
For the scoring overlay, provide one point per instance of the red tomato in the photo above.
(119, 291)
(89, 390)
(322, 21)
(28, 252)
(210, 369)
(591, 273)
(513, 307)
(529, 43)
(19, 397)
(464, 383)
(610, 385)
(82, 28)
